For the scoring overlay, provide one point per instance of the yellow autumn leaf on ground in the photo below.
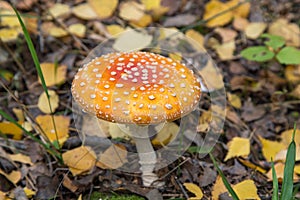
(84, 11)
(279, 168)
(9, 18)
(59, 10)
(53, 74)
(103, 8)
(255, 29)
(270, 148)
(213, 8)
(80, 160)
(58, 32)
(238, 147)
(20, 158)
(43, 102)
(240, 23)
(197, 39)
(246, 190)
(19, 114)
(286, 137)
(29, 193)
(115, 131)
(113, 157)
(225, 51)
(195, 189)
(218, 188)
(114, 29)
(61, 126)
(167, 134)
(226, 34)
(13, 176)
(234, 100)
(151, 4)
(9, 34)
(78, 29)
(131, 11)
(144, 21)
(292, 73)
(215, 80)
(10, 128)
(281, 155)
(242, 10)
(251, 165)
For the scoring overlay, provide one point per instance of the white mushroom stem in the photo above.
(146, 153)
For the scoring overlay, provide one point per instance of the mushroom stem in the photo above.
(145, 152)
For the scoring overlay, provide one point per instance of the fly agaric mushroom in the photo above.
(137, 89)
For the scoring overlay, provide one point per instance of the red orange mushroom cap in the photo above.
(136, 87)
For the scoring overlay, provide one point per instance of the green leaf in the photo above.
(275, 183)
(288, 175)
(226, 183)
(289, 55)
(274, 41)
(7, 75)
(258, 54)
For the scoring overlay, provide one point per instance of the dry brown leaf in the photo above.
(195, 189)
(84, 11)
(53, 75)
(131, 11)
(61, 126)
(67, 182)
(59, 10)
(246, 190)
(80, 160)
(289, 31)
(78, 29)
(270, 148)
(197, 39)
(20, 158)
(14, 176)
(166, 134)
(292, 73)
(113, 157)
(226, 50)
(43, 103)
(104, 8)
(240, 23)
(11, 129)
(234, 100)
(238, 147)
(255, 29)
(226, 34)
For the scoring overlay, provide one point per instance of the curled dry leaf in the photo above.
(255, 29)
(113, 157)
(84, 11)
(80, 160)
(14, 176)
(226, 34)
(234, 100)
(103, 8)
(240, 23)
(43, 103)
(59, 131)
(195, 189)
(53, 74)
(238, 147)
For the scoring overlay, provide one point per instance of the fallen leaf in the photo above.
(116, 132)
(279, 169)
(250, 112)
(53, 133)
(270, 148)
(180, 20)
(242, 10)
(58, 32)
(292, 73)
(213, 8)
(255, 29)
(132, 40)
(20, 158)
(296, 92)
(251, 165)
(240, 23)
(167, 134)
(226, 50)
(9, 34)
(10, 128)
(286, 137)
(53, 75)
(67, 182)
(59, 10)
(29, 193)
(195, 189)
(246, 190)
(197, 39)
(19, 114)
(151, 4)
(234, 100)
(218, 188)
(131, 11)
(144, 21)
(226, 34)
(84, 11)
(215, 80)
(113, 157)
(80, 160)
(114, 29)
(43, 103)
(13, 176)
(9, 19)
(281, 155)
(238, 147)
(78, 30)
(103, 8)
(175, 56)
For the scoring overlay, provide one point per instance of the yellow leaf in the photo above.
(255, 29)
(20, 158)
(116, 132)
(270, 148)
(246, 190)
(84, 11)
(59, 10)
(131, 11)
(251, 165)
(240, 23)
(227, 34)
(13, 176)
(234, 100)
(9, 34)
(242, 10)
(279, 168)
(61, 126)
(29, 193)
(80, 160)
(2, 195)
(144, 21)
(9, 19)
(238, 147)
(193, 188)
(114, 29)
(197, 39)
(43, 102)
(166, 134)
(176, 56)
(103, 8)
(286, 137)
(113, 157)
(281, 155)
(53, 75)
(215, 80)
(78, 30)
(213, 8)
(19, 114)
(296, 92)
(57, 32)
(226, 50)
(151, 4)
(218, 188)
(292, 73)
(11, 129)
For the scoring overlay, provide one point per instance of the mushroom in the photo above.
(137, 89)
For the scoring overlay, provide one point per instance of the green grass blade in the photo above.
(288, 177)
(275, 183)
(226, 183)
